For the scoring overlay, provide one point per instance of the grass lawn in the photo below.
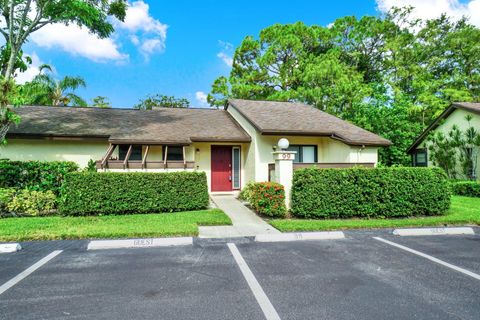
(464, 210)
(122, 226)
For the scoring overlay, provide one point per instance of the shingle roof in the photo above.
(163, 125)
(469, 106)
(287, 118)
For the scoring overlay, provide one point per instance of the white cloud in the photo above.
(228, 60)
(78, 41)
(428, 9)
(144, 32)
(147, 33)
(226, 53)
(31, 71)
(201, 98)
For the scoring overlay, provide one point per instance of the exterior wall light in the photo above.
(283, 143)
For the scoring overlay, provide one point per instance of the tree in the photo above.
(163, 101)
(101, 102)
(390, 74)
(21, 18)
(45, 90)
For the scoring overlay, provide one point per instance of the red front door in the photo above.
(221, 168)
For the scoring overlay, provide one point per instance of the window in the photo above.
(236, 167)
(174, 153)
(305, 154)
(135, 155)
(420, 158)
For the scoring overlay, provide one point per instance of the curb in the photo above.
(10, 247)
(139, 243)
(300, 236)
(433, 231)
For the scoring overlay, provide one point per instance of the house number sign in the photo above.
(285, 156)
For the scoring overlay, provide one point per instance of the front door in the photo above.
(221, 168)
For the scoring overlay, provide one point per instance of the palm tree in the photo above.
(46, 90)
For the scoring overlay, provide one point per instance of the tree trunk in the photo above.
(11, 62)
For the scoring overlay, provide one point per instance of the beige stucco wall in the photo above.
(54, 150)
(457, 118)
(329, 150)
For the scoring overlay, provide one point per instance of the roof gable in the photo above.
(288, 118)
(468, 106)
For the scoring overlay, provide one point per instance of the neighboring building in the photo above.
(233, 146)
(453, 115)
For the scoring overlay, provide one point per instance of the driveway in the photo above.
(358, 277)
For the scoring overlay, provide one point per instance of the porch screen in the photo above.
(236, 168)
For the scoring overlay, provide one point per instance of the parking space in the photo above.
(354, 278)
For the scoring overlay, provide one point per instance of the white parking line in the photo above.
(262, 299)
(426, 256)
(7, 285)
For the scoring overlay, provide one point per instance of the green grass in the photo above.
(464, 211)
(122, 226)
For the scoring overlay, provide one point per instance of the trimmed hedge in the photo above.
(35, 175)
(91, 193)
(369, 193)
(267, 198)
(466, 188)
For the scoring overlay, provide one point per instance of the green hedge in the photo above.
(35, 175)
(466, 188)
(90, 193)
(369, 193)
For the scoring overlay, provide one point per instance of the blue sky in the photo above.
(177, 47)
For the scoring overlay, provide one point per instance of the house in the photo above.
(233, 146)
(456, 115)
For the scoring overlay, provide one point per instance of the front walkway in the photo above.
(245, 222)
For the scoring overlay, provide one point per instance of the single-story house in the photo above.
(455, 114)
(233, 145)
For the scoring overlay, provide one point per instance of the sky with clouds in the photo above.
(179, 47)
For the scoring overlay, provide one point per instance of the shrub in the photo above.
(246, 193)
(32, 202)
(369, 193)
(34, 175)
(91, 193)
(6, 196)
(268, 198)
(466, 188)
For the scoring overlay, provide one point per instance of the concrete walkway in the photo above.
(245, 222)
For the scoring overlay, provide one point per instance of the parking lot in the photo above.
(359, 277)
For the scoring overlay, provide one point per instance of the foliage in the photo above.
(87, 193)
(46, 91)
(456, 149)
(464, 211)
(34, 175)
(91, 166)
(391, 74)
(109, 227)
(6, 196)
(466, 188)
(369, 193)
(32, 202)
(246, 193)
(268, 198)
(162, 101)
(101, 102)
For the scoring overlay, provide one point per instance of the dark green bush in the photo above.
(90, 193)
(35, 175)
(466, 188)
(268, 198)
(369, 193)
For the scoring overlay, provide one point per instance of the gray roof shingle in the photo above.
(288, 118)
(163, 125)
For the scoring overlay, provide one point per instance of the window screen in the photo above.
(135, 155)
(174, 153)
(420, 158)
(305, 154)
